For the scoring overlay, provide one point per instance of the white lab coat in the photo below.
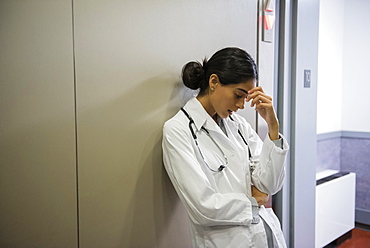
(217, 203)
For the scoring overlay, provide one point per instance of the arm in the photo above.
(269, 174)
(204, 204)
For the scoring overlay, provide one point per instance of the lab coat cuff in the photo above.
(278, 142)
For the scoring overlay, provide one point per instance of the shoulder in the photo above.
(176, 125)
(179, 123)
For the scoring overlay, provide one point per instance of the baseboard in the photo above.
(330, 135)
(343, 134)
(355, 135)
(362, 216)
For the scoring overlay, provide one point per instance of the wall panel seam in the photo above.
(76, 129)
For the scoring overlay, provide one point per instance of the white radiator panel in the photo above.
(335, 207)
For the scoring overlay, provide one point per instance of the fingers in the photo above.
(259, 88)
(256, 192)
(264, 106)
(260, 197)
(261, 99)
(257, 95)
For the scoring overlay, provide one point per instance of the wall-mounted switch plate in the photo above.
(307, 79)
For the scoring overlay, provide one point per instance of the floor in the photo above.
(360, 239)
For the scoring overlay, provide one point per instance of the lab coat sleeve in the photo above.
(269, 173)
(205, 205)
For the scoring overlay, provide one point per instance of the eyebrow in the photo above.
(246, 92)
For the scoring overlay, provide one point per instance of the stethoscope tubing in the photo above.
(191, 122)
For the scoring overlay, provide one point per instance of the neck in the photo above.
(207, 105)
(215, 117)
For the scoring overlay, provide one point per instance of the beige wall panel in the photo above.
(37, 138)
(129, 56)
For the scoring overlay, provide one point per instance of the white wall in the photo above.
(356, 65)
(329, 87)
(343, 60)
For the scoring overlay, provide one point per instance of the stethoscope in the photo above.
(222, 166)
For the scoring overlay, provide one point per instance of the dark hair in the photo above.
(232, 66)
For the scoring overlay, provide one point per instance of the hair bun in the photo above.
(193, 75)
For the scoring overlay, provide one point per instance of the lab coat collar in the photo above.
(232, 123)
(200, 115)
(233, 126)
(202, 118)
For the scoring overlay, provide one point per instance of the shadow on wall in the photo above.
(154, 214)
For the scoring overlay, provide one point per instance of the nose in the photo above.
(240, 103)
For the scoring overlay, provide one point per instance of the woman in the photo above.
(221, 170)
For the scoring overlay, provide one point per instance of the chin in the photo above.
(225, 115)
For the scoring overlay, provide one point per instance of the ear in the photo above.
(213, 82)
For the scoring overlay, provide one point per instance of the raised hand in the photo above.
(263, 105)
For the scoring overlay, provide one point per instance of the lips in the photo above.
(230, 112)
